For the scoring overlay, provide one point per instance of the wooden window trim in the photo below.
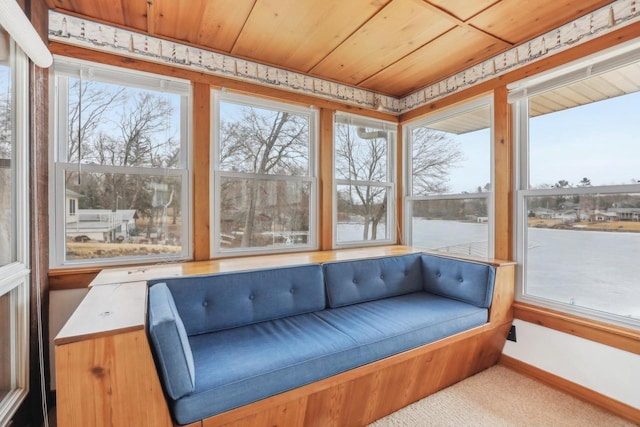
(593, 330)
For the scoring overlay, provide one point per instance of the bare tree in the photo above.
(120, 127)
(85, 117)
(6, 159)
(433, 156)
(260, 141)
(361, 155)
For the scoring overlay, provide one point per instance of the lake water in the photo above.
(593, 269)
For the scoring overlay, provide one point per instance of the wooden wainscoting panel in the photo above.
(289, 414)
(503, 294)
(364, 399)
(490, 348)
(460, 362)
(109, 381)
(428, 373)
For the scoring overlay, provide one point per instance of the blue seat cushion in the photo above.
(352, 282)
(238, 366)
(388, 326)
(226, 300)
(464, 281)
(171, 343)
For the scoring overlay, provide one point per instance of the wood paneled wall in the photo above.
(325, 169)
(201, 169)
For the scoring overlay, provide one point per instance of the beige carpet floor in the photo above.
(500, 397)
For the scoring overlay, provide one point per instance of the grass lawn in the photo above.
(79, 250)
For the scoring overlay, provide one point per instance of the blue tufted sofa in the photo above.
(225, 340)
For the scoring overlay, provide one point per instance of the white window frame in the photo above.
(519, 94)
(390, 183)
(218, 175)
(15, 277)
(409, 199)
(64, 68)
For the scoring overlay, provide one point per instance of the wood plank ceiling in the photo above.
(393, 47)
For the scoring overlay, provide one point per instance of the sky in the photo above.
(599, 141)
(475, 168)
(110, 122)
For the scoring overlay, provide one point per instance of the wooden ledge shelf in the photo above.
(147, 272)
(107, 310)
(603, 333)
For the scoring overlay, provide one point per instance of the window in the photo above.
(364, 181)
(121, 158)
(578, 204)
(7, 166)
(264, 176)
(449, 192)
(72, 207)
(14, 236)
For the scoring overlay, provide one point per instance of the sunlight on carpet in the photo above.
(500, 397)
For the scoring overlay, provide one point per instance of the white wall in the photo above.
(609, 371)
(61, 305)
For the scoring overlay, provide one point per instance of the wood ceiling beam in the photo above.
(151, 21)
(465, 24)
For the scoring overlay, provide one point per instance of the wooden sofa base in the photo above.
(365, 394)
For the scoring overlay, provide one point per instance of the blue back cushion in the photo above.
(464, 281)
(351, 282)
(170, 342)
(228, 300)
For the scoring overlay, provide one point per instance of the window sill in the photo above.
(604, 333)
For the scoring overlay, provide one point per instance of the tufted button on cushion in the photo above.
(351, 282)
(464, 281)
(227, 295)
(251, 296)
(205, 303)
(438, 274)
(291, 290)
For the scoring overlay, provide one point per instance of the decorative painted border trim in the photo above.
(89, 34)
(595, 24)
